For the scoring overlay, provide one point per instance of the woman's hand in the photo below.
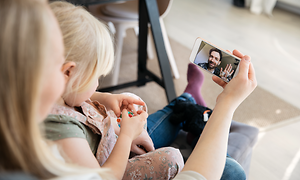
(117, 102)
(241, 85)
(143, 140)
(133, 126)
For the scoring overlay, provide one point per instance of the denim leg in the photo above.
(160, 129)
(233, 170)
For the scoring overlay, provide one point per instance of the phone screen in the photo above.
(216, 61)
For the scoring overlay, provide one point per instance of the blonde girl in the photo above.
(31, 80)
(85, 130)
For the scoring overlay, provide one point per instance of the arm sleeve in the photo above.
(191, 175)
(61, 126)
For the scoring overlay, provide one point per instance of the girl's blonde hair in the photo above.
(87, 42)
(24, 44)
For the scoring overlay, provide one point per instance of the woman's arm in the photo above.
(209, 156)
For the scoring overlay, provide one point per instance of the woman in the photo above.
(31, 80)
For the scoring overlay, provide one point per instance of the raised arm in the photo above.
(208, 157)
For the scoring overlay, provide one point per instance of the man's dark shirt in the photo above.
(204, 65)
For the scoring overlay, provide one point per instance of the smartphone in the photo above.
(214, 60)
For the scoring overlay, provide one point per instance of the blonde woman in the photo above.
(31, 80)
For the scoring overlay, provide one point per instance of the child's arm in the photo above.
(131, 129)
(77, 150)
(208, 157)
(142, 140)
(117, 102)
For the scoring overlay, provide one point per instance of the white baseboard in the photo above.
(288, 7)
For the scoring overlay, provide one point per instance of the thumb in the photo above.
(137, 150)
(117, 111)
(219, 81)
(124, 113)
(244, 66)
(149, 146)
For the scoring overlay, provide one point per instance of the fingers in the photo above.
(140, 113)
(219, 81)
(237, 53)
(143, 114)
(244, 66)
(117, 111)
(132, 109)
(138, 102)
(227, 67)
(131, 100)
(251, 73)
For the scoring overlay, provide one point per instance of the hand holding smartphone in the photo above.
(214, 60)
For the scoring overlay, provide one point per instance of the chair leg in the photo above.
(112, 78)
(150, 44)
(169, 50)
(120, 30)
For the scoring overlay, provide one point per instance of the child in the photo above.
(84, 129)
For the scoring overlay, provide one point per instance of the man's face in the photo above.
(213, 60)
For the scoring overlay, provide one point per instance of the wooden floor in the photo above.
(274, 45)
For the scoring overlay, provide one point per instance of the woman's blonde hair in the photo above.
(87, 42)
(24, 44)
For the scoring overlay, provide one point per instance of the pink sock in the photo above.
(195, 79)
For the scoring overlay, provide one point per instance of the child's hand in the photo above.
(118, 102)
(143, 140)
(133, 126)
(241, 85)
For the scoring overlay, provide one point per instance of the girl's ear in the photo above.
(68, 69)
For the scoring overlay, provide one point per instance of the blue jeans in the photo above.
(163, 133)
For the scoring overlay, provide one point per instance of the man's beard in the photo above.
(211, 65)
